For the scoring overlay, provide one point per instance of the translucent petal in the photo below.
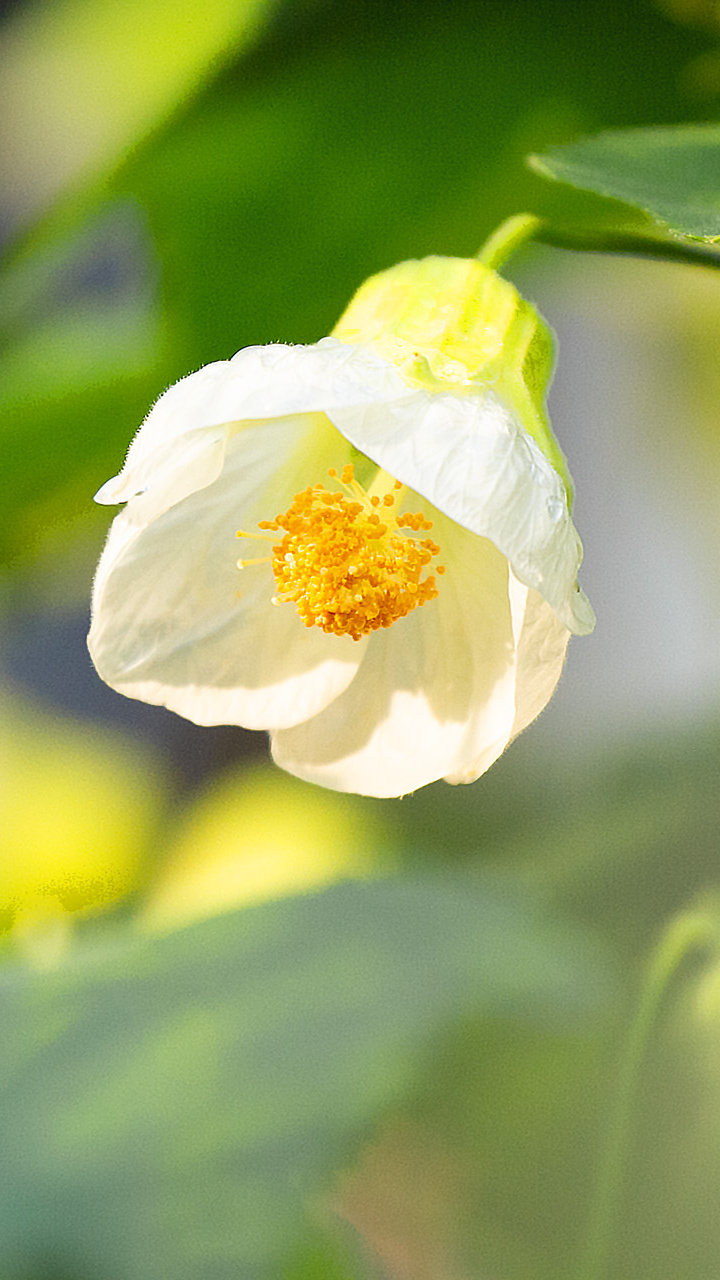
(435, 692)
(197, 413)
(540, 642)
(177, 623)
(187, 465)
(468, 456)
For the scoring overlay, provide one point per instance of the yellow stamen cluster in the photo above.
(343, 562)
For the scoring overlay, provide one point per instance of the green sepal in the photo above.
(454, 324)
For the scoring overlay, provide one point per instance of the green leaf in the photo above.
(669, 175)
(171, 1104)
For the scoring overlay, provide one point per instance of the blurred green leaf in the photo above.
(81, 809)
(80, 336)
(672, 1196)
(172, 1104)
(82, 81)
(350, 137)
(618, 836)
(663, 182)
(342, 151)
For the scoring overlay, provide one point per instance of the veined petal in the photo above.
(540, 645)
(434, 693)
(468, 456)
(170, 474)
(256, 384)
(178, 624)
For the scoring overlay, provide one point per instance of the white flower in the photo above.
(423, 692)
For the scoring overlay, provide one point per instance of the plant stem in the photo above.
(648, 245)
(505, 239)
(691, 932)
(521, 227)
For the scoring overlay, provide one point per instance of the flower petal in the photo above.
(468, 455)
(540, 642)
(191, 463)
(258, 383)
(178, 624)
(434, 693)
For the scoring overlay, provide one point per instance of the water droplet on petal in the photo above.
(556, 509)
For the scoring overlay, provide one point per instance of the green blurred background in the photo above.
(251, 1029)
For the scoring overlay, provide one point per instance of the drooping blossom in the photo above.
(363, 545)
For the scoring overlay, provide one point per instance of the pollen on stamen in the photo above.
(243, 564)
(346, 570)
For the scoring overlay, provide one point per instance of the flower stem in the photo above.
(692, 932)
(505, 239)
